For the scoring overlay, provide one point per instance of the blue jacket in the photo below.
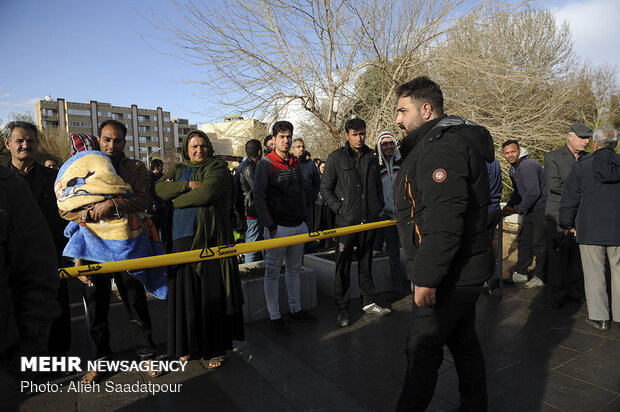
(590, 199)
(530, 186)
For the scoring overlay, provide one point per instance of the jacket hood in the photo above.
(478, 136)
(385, 135)
(606, 166)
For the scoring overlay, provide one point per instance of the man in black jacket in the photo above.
(28, 283)
(351, 187)
(21, 139)
(245, 179)
(564, 273)
(589, 209)
(442, 197)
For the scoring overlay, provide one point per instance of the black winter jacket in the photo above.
(590, 199)
(351, 186)
(245, 176)
(442, 196)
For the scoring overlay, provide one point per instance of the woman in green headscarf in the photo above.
(204, 299)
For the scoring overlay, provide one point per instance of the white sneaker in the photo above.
(518, 278)
(375, 309)
(535, 282)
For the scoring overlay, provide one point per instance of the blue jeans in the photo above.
(254, 233)
(291, 255)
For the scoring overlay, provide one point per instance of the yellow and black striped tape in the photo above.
(216, 252)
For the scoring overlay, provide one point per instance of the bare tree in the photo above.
(262, 55)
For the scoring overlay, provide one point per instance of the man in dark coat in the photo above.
(351, 187)
(528, 198)
(589, 209)
(442, 198)
(564, 274)
(245, 203)
(21, 139)
(28, 283)
(312, 184)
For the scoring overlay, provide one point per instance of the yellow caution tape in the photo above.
(216, 252)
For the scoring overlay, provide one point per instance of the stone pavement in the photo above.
(537, 358)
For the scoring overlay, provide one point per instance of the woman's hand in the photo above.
(194, 184)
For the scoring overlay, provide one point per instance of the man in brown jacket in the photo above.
(97, 289)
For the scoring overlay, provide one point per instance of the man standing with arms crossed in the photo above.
(279, 203)
(351, 187)
(442, 196)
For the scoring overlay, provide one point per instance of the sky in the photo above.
(111, 52)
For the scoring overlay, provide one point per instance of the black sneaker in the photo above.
(301, 316)
(598, 324)
(343, 318)
(280, 326)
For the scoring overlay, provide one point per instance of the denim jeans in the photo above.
(291, 255)
(252, 234)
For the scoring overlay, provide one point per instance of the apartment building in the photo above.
(150, 132)
(229, 137)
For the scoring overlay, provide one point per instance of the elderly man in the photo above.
(97, 289)
(564, 274)
(589, 209)
(528, 198)
(442, 196)
(312, 184)
(21, 139)
(28, 283)
(351, 187)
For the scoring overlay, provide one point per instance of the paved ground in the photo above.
(538, 359)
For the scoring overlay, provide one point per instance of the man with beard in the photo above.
(442, 197)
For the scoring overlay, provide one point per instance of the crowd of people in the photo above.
(442, 184)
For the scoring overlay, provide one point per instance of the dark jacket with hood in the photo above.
(245, 181)
(442, 197)
(530, 186)
(351, 186)
(590, 199)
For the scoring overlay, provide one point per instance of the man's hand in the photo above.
(102, 210)
(424, 296)
(194, 184)
(83, 279)
(508, 210)
(572, 231)
(273, 233)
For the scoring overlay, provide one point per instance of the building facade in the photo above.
(150, 132)
(229, 137)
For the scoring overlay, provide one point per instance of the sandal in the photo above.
(184, 358)
(216, 362)
(91, 377)
(153, 373)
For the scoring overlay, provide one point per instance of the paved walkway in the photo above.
(537, 358)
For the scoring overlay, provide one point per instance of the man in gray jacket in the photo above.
(564, 274)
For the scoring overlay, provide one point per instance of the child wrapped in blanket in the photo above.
(86, 179)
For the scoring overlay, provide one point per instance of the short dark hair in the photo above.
(155, 163)
(425, 90)
(308, 155)
(316, 160)
(509, 142)
(267, 139)
(355, 124)
(20, 124)
(116, 123)
(282, 126)
(252, 147)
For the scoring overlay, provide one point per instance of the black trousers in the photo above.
(532, 242)
(450, 322)
(132, 293)
(344, 255)
(59, 340)
(564, 271)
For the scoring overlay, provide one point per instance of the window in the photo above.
(129, 137)
(49, 112)
(128, 116)
(142, 118)
(143, 159)
(104, 114)
(117, 116)
(79, 123)
(143, 149)
(128, 126)
(130, 148)
(167, 129)
(154, 128)
(78, 112)
(166, 119)
(144, 139)
(50, 124)
(144, 128)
